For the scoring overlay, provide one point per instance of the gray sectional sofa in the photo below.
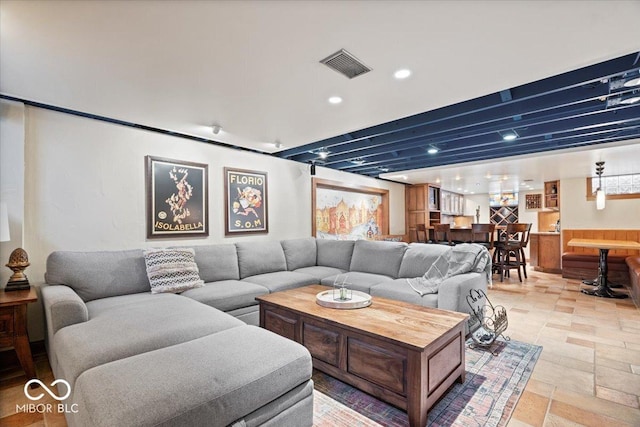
(136, 358)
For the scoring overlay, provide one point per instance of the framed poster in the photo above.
(245, 195)
(177, 198)
(348, 212)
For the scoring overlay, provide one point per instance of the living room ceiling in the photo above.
(252, 67)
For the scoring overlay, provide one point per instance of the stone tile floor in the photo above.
(588, 373)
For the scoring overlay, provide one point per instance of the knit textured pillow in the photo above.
(172, 270)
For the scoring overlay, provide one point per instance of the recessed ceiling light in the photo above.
(402, 74)
(432, 150)
(488, 176)
(323, 153)
(437, 180)
(335, 100)
(357, 161)
(632, 82)
(509, 136)
(504, 178)
(457, 177)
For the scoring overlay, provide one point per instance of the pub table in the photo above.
(602, 288)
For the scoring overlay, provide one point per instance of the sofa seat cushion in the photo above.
(357, 280)
(377, 257)
(319, 272)
(300, 252)
(104, 306)
(574, 258)
(227, 295)
(282, 280)
(131, 329)
(215, 380)
(400, 290)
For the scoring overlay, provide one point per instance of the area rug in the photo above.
(494, 382)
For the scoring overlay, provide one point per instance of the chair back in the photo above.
(518, 233)
(421, 233)
(442, 233)
(483, 233)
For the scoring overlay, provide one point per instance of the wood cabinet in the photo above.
(544, 252)
(451, 203)
(422, 202)
(552, 194)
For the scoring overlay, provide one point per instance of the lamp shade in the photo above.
(600, 198)
(4, 223)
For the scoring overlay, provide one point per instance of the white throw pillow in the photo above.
(172, 270)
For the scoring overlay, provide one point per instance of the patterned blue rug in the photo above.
(493, 384)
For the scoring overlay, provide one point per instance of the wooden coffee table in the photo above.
(404, 354)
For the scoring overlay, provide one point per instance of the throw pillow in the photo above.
(172, 270)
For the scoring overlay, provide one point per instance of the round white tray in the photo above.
(358, 300)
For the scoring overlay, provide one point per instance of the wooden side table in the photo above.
(13, 325)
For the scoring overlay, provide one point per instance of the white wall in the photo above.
(11, 178)
(577, 212)
(84, 188)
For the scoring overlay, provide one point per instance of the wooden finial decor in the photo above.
(18, 262)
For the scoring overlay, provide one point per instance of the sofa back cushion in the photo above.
(377, 257)
(418, 258)
(300, 253)
(94, 275)
(217, 262)
(335, 253)
(260, 258)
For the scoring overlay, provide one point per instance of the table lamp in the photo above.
(18, 260)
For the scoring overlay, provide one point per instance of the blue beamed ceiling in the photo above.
(584, 107)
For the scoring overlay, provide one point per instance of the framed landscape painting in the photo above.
(245, 194)
(342, 212)
(177, 198)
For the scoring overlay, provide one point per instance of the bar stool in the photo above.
(517, 238)
(482, 234)
(442, 234)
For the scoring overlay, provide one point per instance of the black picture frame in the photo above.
(246, 201)
(177, 198)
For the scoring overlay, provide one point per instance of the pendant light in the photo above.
(600, 196)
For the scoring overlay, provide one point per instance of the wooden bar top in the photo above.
(408, 325)
(604, 244)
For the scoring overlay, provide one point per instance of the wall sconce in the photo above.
(600, 196)
(18, 260)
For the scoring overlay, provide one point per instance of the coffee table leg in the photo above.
(417, 389)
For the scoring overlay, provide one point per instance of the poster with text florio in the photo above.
(177, 198)
(245, 201)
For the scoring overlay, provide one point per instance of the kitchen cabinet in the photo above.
(544, 252)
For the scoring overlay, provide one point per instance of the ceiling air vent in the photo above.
(345, 63)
